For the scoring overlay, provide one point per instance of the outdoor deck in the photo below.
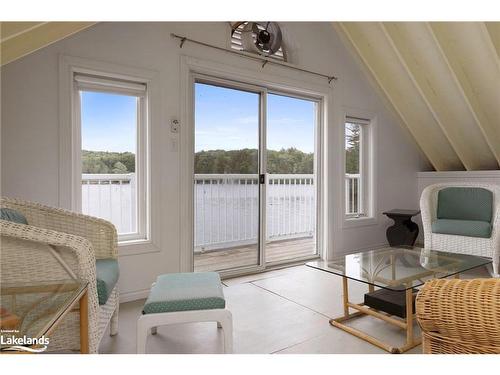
(247, 255)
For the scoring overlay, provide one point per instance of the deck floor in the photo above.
(276, 251)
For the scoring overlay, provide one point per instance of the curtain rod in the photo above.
(266, 60)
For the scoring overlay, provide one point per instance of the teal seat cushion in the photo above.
(468, 228)
(12, 215)
(185, 291)
(465, 203)
(107, 274)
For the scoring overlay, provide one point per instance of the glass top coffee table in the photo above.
(34, 310)
(396, 270)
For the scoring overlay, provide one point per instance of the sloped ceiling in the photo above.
(443, 80)
(17, 39)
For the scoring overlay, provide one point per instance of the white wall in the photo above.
(30, 125)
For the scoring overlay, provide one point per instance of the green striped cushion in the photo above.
(107, 274)
(468, 228)
(465, 203)
(185, 291)
(12, 215)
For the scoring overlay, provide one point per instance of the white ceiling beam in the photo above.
(10, 30)
(23, 38)
(474, 63)
(374, 84)
(424, 63)
(378, 55)
(493, 29)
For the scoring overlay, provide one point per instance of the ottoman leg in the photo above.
(113, 325)
(142, 334)
(226, 322)
(154, 330)
(219, 325)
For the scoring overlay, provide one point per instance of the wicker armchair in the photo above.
(460, 316)
(487, 247)
(26, 256)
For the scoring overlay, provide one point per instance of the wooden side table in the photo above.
(403, 232)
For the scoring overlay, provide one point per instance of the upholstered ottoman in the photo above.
(185, 298)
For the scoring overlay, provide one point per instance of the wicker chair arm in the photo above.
(101, 233)
(428, 210)
(81, 250)
(81, 247)
(466, 311)
(495, 235)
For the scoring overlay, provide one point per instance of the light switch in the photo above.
(174, 147)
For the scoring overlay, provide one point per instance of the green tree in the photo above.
(285, 161)
(119, 167)
(353, 132)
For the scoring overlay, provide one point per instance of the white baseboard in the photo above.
(134, 296)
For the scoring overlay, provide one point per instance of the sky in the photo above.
(108, 122)
(225, 119)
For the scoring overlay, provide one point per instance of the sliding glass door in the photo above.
(291, 178)
(226, 184)
(253, 204)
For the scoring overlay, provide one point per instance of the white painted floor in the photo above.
(282, 311)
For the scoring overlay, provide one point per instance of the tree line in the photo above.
(284, 161)
(107, 162)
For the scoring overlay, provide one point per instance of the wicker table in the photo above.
(396, 269)
(35, 310)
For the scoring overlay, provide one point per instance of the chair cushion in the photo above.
(465, 203)
(12, 215)
(107, 274)
(185, 291)
(468, 228)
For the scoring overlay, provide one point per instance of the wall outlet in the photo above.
(174, 125)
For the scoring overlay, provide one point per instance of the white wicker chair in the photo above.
(26, 256)
(487, 247)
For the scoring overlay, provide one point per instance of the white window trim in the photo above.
(192, 67)
(367, 170)
(101, 82)
(70, 144)
(264, 91)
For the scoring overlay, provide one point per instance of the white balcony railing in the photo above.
(352, 195)
(226, 209)
(111, 197)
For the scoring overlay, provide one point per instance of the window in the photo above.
(113, 125)
(357, 174)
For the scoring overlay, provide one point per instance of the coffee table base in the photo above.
(406, 324)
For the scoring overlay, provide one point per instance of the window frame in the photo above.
(319, 88)
(264, 89)
(367, 202)
(105, 83)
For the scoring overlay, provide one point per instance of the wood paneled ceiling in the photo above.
(17, 39)
(443, 80)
